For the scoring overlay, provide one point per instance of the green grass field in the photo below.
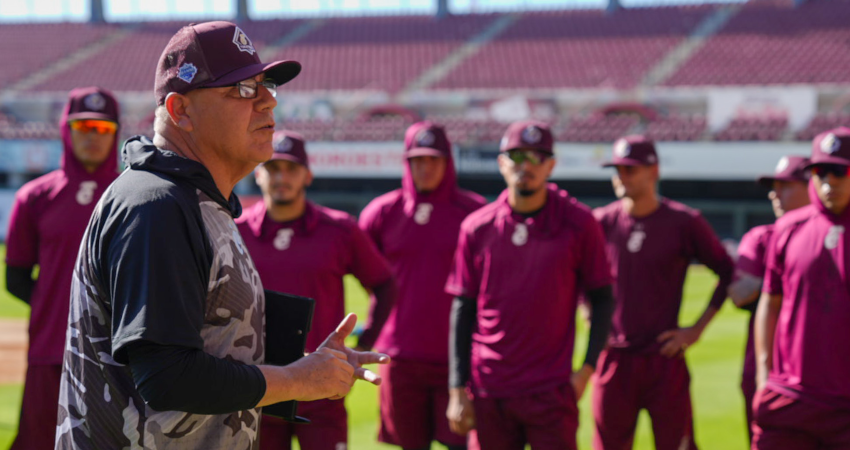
(715, 364)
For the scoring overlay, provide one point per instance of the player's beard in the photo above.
(526, 192)
(290, 200)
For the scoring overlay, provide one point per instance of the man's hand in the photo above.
(675, 342)
(460, 413)
(580, 378)
(336, 341)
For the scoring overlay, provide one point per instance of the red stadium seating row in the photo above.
(764, 43)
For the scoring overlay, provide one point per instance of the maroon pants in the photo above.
(37, 428)
(547, 421)
(783, 423)
(627, 382)
(328, 428)
(414, 399)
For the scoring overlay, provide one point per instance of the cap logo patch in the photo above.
(95, 102)
(425, 138)
(187, 72)
(830, 144)
(531, 135)
(285, 144)
(651, 159)
(243, 43)
(622, 148)
(782, 164)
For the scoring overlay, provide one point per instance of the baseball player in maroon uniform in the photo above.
(47, 223)
(519, 267)
(788, 191)
(416, 228)
(801, 332)
(651, 242)
(305, 249)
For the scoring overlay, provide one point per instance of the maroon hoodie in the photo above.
(417, 233)
(807, 262)
(48, 219)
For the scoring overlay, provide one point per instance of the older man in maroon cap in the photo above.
(165, 346)
(788, 191)
(802, 400)
(305, 249)
(48, 220)
(651, 242)
(519, 267)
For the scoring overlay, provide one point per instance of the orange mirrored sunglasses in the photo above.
(93, 125)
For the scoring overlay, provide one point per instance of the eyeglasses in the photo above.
(250, 88)
(533, 156)
(837, 170)
(93, 125)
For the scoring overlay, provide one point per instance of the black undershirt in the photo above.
(176, 378)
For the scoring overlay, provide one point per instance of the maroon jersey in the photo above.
(525, 274)
(807, 259)
(309, 257)
(417, 233)
(752, 251)
(650, 258)
(46, 226)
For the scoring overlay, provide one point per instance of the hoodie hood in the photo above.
(446, 191)
(139, 153)
(88, 103)
(844, 218)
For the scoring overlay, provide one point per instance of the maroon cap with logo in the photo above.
(92, 103)
(831, 147)
(633, 150)
(213, 54)
(290, 146)
(529, 134)
(789, 168)
(426, 139)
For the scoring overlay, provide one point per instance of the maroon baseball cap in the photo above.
(213, 54)
(426, 139)
(528, 134)
(789, 168)
(290, 146)
(92, 103)
(635, 150)
(831, 147)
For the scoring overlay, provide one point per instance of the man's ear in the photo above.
(309, 180)
(177, 106)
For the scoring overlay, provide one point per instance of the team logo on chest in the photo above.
(636, 239)
(423, 213)
(86, 193)
(520, 236)
(833, 236)
(283, 239)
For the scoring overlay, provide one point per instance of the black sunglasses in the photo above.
(533, 156)
(837, 170)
